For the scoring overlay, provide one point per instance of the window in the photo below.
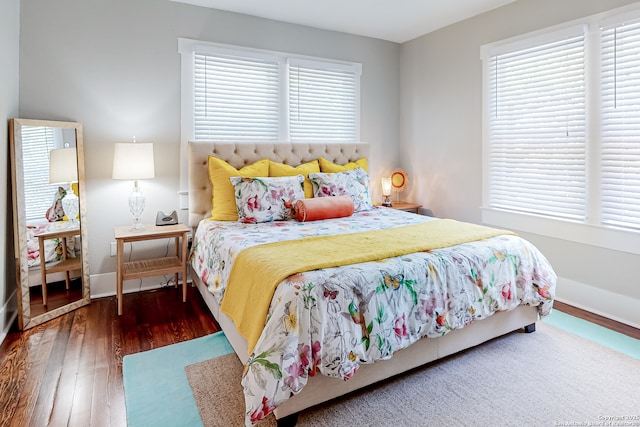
(562, 130)
(37, 141)
(322, 101)
(239, 94)
(620, 136)
(537, 127)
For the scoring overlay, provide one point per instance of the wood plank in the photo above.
(68, 389)
(56, 338)
(13, 375)
(83, 393)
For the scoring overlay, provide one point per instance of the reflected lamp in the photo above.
(63, 168)
(134, 161)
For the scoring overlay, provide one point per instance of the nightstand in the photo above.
(406, 206)
(66, 264)
(127, 270)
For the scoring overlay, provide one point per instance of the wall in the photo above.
(9, 46)
(113, 65)
(441, 143)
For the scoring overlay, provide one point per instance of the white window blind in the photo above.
(323, 100)
(620, 145)
(232, 93)
(37, 141)
(235, 98)
(536, 114)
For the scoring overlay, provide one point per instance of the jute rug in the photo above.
(547, 378)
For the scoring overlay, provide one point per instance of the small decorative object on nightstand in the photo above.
(399, 181)
(127, 270)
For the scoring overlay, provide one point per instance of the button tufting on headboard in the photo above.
(242, 154)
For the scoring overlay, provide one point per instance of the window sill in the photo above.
(588, 234)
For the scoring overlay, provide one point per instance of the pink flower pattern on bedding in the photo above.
(330, 321)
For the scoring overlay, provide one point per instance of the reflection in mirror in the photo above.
(49, 219)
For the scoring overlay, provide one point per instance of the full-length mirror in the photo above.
(50, 229)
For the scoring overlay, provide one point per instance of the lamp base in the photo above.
(71, 208)
(136, 206)
(387, 201)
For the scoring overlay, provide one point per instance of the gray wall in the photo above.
(113, 65)
(9, 45)
(441, 141)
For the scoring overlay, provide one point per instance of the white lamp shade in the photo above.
(386, 186)
(63, 166)
(133, 160)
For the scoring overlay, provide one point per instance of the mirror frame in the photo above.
(25, 320)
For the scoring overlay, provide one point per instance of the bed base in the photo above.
(321, 389)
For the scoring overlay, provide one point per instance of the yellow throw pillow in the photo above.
(224, 200)
(280, 169)
(330, 167)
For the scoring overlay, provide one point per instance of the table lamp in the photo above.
(386, 191)
(134, 161)
(63, 168)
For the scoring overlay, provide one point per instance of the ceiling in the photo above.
(394, 20)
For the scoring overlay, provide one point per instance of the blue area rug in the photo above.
(596, 333)
(157, 392)
(156, 389)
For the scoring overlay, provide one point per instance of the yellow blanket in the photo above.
(258, 270)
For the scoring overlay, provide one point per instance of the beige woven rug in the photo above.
(547, 378)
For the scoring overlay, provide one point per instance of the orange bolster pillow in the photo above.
(323, 208)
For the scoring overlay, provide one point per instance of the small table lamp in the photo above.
(63, 168)
(134, 160)
(386, 191)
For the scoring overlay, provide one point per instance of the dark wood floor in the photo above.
(68, 371)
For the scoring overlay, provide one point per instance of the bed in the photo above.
(394, 341)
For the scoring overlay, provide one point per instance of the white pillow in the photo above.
(354, 183)
(266, 199)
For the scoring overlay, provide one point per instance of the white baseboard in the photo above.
(618, 307)
(8, 315)
(104, 285)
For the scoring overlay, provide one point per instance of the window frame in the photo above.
(188, 47)
(590, 231)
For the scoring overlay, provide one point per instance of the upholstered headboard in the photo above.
(242, 154)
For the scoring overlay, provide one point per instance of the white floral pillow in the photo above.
(354, 183)
(266, 199)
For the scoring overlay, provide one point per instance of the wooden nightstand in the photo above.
(66, 264)
(406, 206)
(155, 266)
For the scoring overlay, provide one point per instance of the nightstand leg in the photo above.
(43, 270)
(184, 266)
(119, 261)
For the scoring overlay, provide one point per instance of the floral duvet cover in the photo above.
(330, 321)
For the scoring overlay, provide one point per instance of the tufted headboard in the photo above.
(242, 154)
